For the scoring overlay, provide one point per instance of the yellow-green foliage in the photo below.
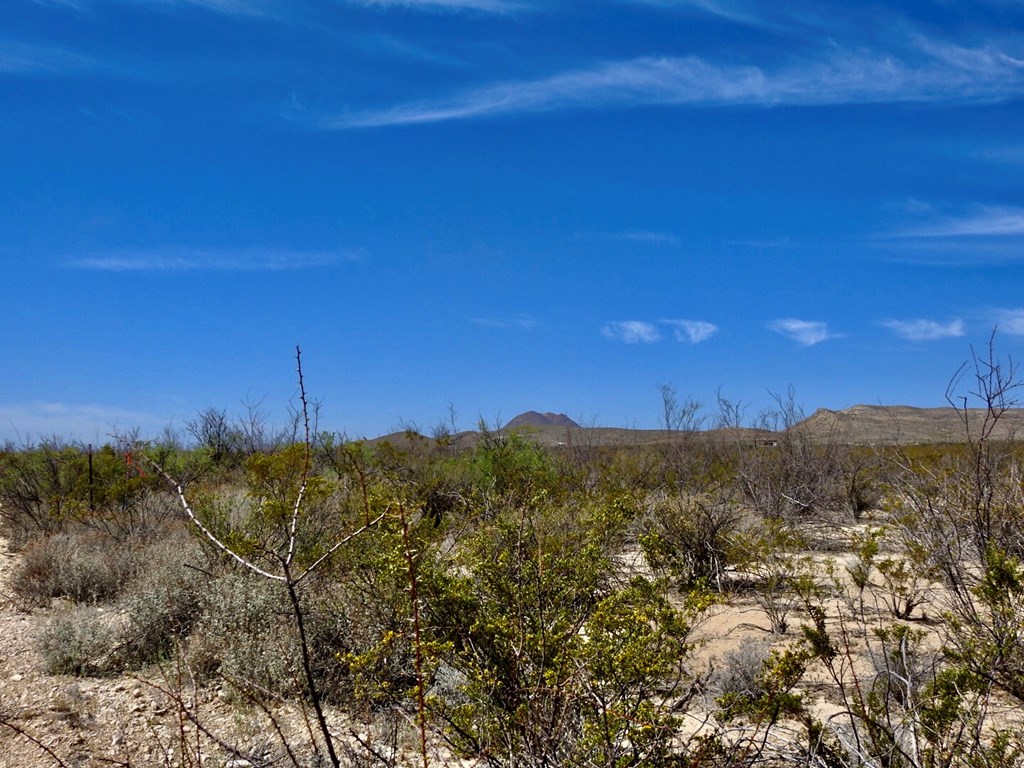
(557, 660)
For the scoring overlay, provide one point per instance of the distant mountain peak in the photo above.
(535, 419)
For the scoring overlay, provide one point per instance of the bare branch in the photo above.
(340, 543)
(293, 528)
(210, 535)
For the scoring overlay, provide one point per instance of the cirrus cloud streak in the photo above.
(642, 331)
(206, 260)
(927, 73)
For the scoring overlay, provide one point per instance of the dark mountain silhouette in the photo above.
(534, 419)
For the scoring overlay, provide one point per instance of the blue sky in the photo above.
(500, 205)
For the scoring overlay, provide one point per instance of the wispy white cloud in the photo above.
(925, 330)
(631, 331)
(490, 6)
(1010, 321)
(72, 4)
(727, 10)
(982, 61)
(692, 331)
(85, 422)
(22, 58)
(395, 46)
(936, 73)
(654, 238)
(202, 260)
(229, 7)
(804, 332)
(765, 243)
(517, 322)
(1007, 154)
(984, 221)
(953, 251)
(226, 7)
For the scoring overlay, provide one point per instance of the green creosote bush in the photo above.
(989, 642)
(557, 658)
(902, 586)
(272, 482)
(361, 626)
(46, 488)
(773, 693)
(781, 574)
(511, 464)
(900, 664)
(634, 654)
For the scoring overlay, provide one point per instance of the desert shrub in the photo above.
(738, 672)
(865, 547)
(634, 654)
(147, 516)
(81, 565)
(558, 659)
(970, 503)
(988, 640)
(902, 667)
(358, 629)
(902, 587)
(39, 489)
(533, 578)
(961, 516)
(273, 482)
(773, 694)
(162, 607)
(244, 636)
(511, 464)
(691, 538)
(916, 709)
(792, 476)
(79, 641)
(45, 489)
(631, 470)
(780, 574)
(362, 629)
